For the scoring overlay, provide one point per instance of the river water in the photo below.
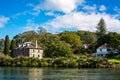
(17, 73)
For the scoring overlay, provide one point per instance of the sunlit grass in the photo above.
(114, 60)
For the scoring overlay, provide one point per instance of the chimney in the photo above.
(36, 45)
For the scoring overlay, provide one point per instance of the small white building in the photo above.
(101, 51)
(28, 49)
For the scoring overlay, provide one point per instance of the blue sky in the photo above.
(17, 16)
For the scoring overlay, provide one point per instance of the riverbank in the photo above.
(81, 62)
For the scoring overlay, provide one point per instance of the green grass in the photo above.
(114, 60)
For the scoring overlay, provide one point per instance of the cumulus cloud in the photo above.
(3, 21)
(73, 19)
(82, 21)
(90, 8)
(65, 6)
(30, 26)
(102, 8)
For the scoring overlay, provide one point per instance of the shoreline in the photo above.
(60, 62)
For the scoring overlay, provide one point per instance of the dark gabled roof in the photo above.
(28, 45)
(102, 46)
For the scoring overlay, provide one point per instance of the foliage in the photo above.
(73, 39)
(7, 45)
(101, 32)
(41, 30)
(19, 38)
(57, 49)
(83, 61)
(12, 46)
(101, 28)
(1, 44)
(29, 36)
(87, 37)
(2, 55)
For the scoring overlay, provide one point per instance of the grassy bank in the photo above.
(114, 60)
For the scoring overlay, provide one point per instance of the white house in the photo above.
(101, 51)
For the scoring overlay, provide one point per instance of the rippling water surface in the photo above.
(16, 73)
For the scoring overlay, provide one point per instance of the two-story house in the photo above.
(28, 49)
(101, 51)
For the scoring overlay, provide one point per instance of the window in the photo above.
(100, 49)
(38, 55)
(33, 55)
(33, 50)
(38, 50)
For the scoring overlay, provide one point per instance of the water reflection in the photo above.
(13, 73)
(9, 73)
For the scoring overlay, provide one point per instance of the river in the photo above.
(25, 73)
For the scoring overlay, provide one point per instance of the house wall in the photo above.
(102, 51)
(37, 53)
(21, 52)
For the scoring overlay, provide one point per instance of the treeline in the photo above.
(65, 44)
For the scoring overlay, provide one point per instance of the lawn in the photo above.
(114, 60)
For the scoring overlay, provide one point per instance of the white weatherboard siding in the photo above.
(101, 51)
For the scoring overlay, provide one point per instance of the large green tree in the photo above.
(7, 45)
(58, 49)
(19, 38)
(54, 47)
(87, 37)
(101, 28)
(26, 37)
(73, 39)
(101, 32)
(13, 46)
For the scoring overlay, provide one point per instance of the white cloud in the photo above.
(28, 28)
(3, 21)
(82, 21)
(65, 6)
(91, 8)
(102, 8)
(49, 14)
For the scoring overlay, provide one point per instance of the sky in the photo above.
(18, 16)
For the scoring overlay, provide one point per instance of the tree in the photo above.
(19, 38)
(12, 46)
(41, 30)
(72, 38)
(6, 45)
(29, 36)
(101, 32)
(1, 44)
(87, 37)
(58, 49)
(101, 28)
